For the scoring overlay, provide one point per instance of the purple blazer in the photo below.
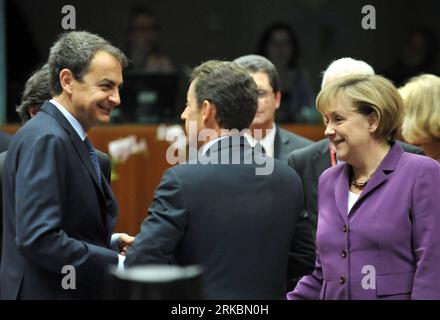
(388, 247)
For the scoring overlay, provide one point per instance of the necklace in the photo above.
(359, 184)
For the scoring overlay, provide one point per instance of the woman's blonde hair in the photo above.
(368, 93)
(421, 100)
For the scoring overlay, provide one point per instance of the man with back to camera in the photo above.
(220, 214)
(59, 211)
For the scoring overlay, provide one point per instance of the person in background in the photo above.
(59, 211)
(421, 125)
(277, 142)
(279, 44)
(379, 213)
(311, 161)
(418, 55)
(143, 39)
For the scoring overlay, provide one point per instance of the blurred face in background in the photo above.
(279, 47)
(143, 32)
(268, 102)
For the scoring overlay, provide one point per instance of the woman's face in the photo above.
(348, 130)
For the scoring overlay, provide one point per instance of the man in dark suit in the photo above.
(314, 159)
(59, 210)
(277, 142)
(36, 92)
(224, 209)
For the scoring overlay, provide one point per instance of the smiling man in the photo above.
(59, 210)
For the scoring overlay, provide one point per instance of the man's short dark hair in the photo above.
(231, 89)
(74, 51)
(36, 91)
(255, 63)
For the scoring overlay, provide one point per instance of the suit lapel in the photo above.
(386, 167)
(279, 145)
(78, 144)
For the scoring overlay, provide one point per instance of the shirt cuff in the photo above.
(121, 260)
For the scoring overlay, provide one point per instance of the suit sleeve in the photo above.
(164, 226)
(302, 250)
(426, 235)
(40, 194)
(309, 287)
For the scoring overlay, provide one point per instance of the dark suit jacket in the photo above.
(56, 213)
(5, 139)
(285, 142)
(232, 222)
(104, 164)
(313, 160)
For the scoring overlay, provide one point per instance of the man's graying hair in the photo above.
(255, 63)
(230, 88)
(36, 91)
(74, 51)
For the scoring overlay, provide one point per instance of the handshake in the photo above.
(124, 241)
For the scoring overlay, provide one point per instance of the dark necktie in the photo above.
(94, 157)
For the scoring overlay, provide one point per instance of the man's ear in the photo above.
(277, 99)
(373, 120)
(208, 114)
(33, 110)
(66, 78)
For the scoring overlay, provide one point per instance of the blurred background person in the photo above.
(277, 142)
(143, 41)
(421, 125)
(379, 214)
(280, 45)
(418, 55)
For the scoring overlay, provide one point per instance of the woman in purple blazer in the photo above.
(378, 231)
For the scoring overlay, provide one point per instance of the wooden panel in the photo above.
(140, 175)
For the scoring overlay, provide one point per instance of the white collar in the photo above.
(208, 145)
(72, 120)
(267, 142)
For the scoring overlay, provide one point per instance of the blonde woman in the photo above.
(421, 126)
(379, 215)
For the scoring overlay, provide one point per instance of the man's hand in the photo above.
(124, 242)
